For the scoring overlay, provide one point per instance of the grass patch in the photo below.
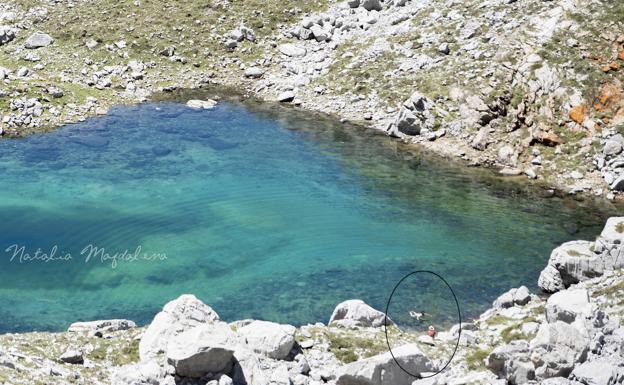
(475, 359)
(499, 320)
(350, 348)
(609, 291)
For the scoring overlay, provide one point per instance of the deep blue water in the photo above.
(262, 213)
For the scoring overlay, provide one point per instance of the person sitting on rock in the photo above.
(431, 332)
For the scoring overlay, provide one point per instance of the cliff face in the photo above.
(533, 87)
(575, 336)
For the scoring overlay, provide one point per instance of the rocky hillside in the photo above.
(531, 87)
(575, 336)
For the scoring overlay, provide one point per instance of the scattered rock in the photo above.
(202, 104)
(371, 5)
(38, 40)
(7, 34)
(286, 97)
(254, 72)
(292, 50)
(73, 357)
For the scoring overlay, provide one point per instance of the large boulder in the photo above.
(568, 305)
(520, 296)
(511, 362)
(177, 316)
(38, 40)
(414, 116)
(6, 34)
(578, 261)
(356, 313)
(269, 338)
(603, 371)
(383, 370)
(550, 280)
(204, 349)
(101, 326)
(557, 348)
(247, 367)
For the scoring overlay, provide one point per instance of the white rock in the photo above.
(383, 370)
(559, 346)
(320, 33)
(286, 96)
(202, 104)
(144, 372)
(600, 372)
(254, 72)
(177, 316)
(72, 357)
(204, 349)
(292, 50)
(7, 34)
(38, 40)
(427, 340)
(355, 312)
(567, 305)
(101, 326)
(269, 338)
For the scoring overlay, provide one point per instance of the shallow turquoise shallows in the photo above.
(261, 213)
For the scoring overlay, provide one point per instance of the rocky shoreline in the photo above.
(574, 336)
(474, 82)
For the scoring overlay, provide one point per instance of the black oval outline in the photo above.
(386, 323)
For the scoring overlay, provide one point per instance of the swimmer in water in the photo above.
(418, 315)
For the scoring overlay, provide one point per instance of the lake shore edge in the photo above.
(577, 331)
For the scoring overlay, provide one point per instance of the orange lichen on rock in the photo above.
(621, 55)
(614, 66)
(578, 113)
(610, 101)
(609, 93)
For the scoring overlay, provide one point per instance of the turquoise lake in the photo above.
(261, 212)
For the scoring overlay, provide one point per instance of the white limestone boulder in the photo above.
(204, 349)
(568, 305)
(383, 370)
(356, 313)
(558, 346)
(177, 316)
(269, 338)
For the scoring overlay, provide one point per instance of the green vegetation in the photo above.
(609, 291)
(350, 347)
(499, 320)
(475, 359)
